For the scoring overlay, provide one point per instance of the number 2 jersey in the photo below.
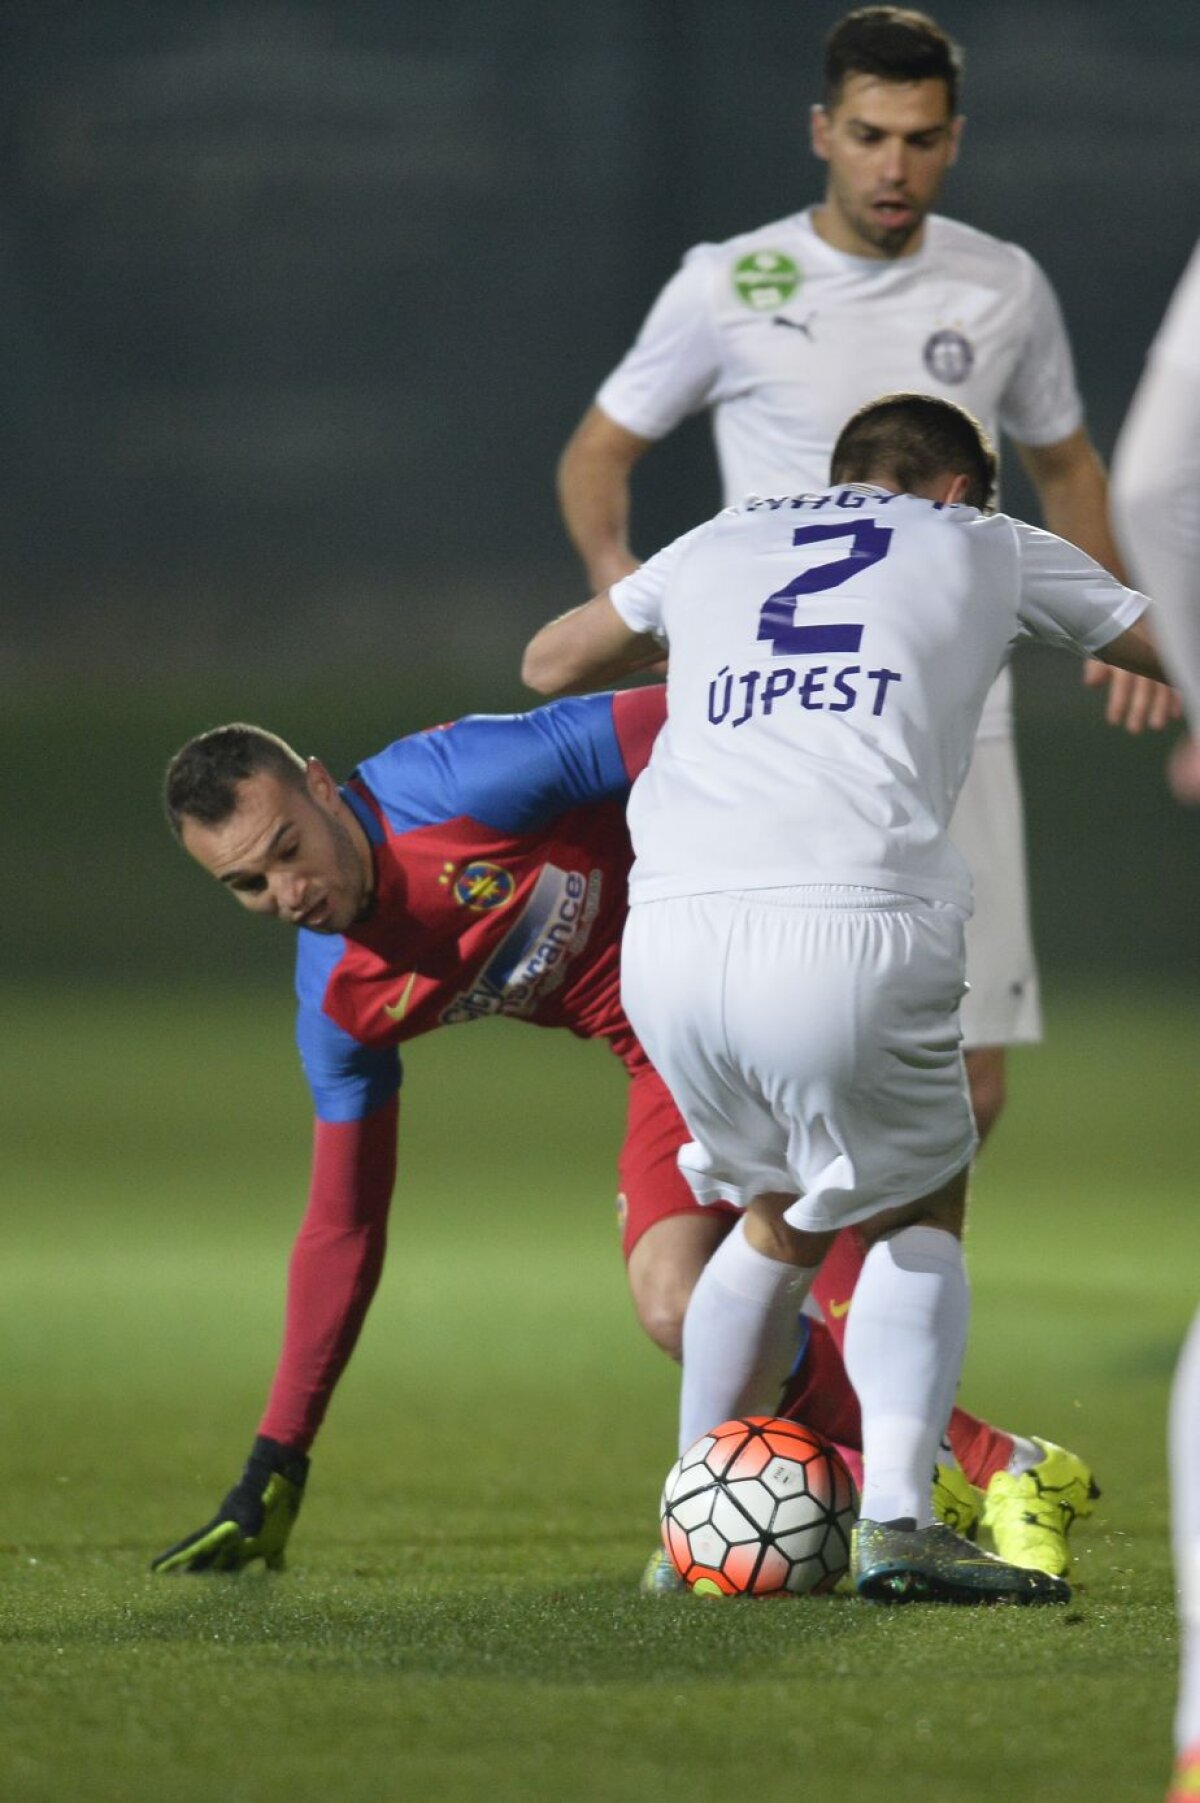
(830, 656)
(783, 337)
(501, 856)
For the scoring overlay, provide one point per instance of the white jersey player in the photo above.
(793, 962)
(1156, 502)
(781, 333)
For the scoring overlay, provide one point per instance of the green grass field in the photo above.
(460, 1621)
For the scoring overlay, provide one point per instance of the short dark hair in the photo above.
(894, 44)
(913, 439)
(202, 778)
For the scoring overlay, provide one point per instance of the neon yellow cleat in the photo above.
(1029, 1516)
(660, 1577)
(956, 1503)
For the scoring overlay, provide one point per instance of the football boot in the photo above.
(1029, 1515)
(893, 1563)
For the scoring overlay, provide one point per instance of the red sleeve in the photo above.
(638, 715)
(334, 1269)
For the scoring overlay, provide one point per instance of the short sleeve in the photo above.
(672, 368)
(639, 598)
(1067, 599)
(1040, 404)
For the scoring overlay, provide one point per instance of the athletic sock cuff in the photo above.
(756, 1277)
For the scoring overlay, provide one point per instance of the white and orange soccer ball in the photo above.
(759, 1507)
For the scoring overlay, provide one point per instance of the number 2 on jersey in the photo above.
(777, 620)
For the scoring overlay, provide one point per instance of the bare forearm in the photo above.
(1073, 490)
(1075, 505)
(594, 496)
(1135, 650)
(588, 648)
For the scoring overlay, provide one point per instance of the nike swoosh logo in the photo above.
(397, 1010)
(836, 1309)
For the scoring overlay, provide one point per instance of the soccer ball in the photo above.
(759, 1507)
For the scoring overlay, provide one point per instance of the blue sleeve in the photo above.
(348, 1080)
(509, 771)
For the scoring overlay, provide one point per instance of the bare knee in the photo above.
(663, 1269)
(987, 1077)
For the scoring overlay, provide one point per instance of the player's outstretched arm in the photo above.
(253, 1522)
(1073, 490)
(1134, 702)
(588, 648)
(1134, 650)
(334, 1269)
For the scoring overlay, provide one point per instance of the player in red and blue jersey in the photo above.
(478, 868)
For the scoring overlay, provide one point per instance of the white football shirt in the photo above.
(830, 655)
(783, 337)
(1156, 484)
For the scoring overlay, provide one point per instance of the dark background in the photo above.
(297, 305)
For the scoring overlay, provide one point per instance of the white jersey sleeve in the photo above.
(672, 368)
(639, 597)
(1156, 485)
(1067, 599)
(1040, 404)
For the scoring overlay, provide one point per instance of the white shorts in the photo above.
(810, 1037)
(1003, 1004)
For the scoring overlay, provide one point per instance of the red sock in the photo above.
(981, 1450)
(835, 1281)
(819, 1395)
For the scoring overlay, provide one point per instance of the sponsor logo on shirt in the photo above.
(531, 960)
(481, 886)
(766, 279)
(949, 357)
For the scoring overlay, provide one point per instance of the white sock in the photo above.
(1024, 1456)
(739, 1335)
(1185, 1532)
(905, 1339)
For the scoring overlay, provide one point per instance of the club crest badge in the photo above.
(949, 357)
(765, 279)
(482, 886)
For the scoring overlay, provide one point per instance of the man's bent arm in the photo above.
(1135, 650)
(593, 494)
(587, 648)
(334, 1270)
(1073, 491)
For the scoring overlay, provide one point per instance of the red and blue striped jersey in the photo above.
(501, 859)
